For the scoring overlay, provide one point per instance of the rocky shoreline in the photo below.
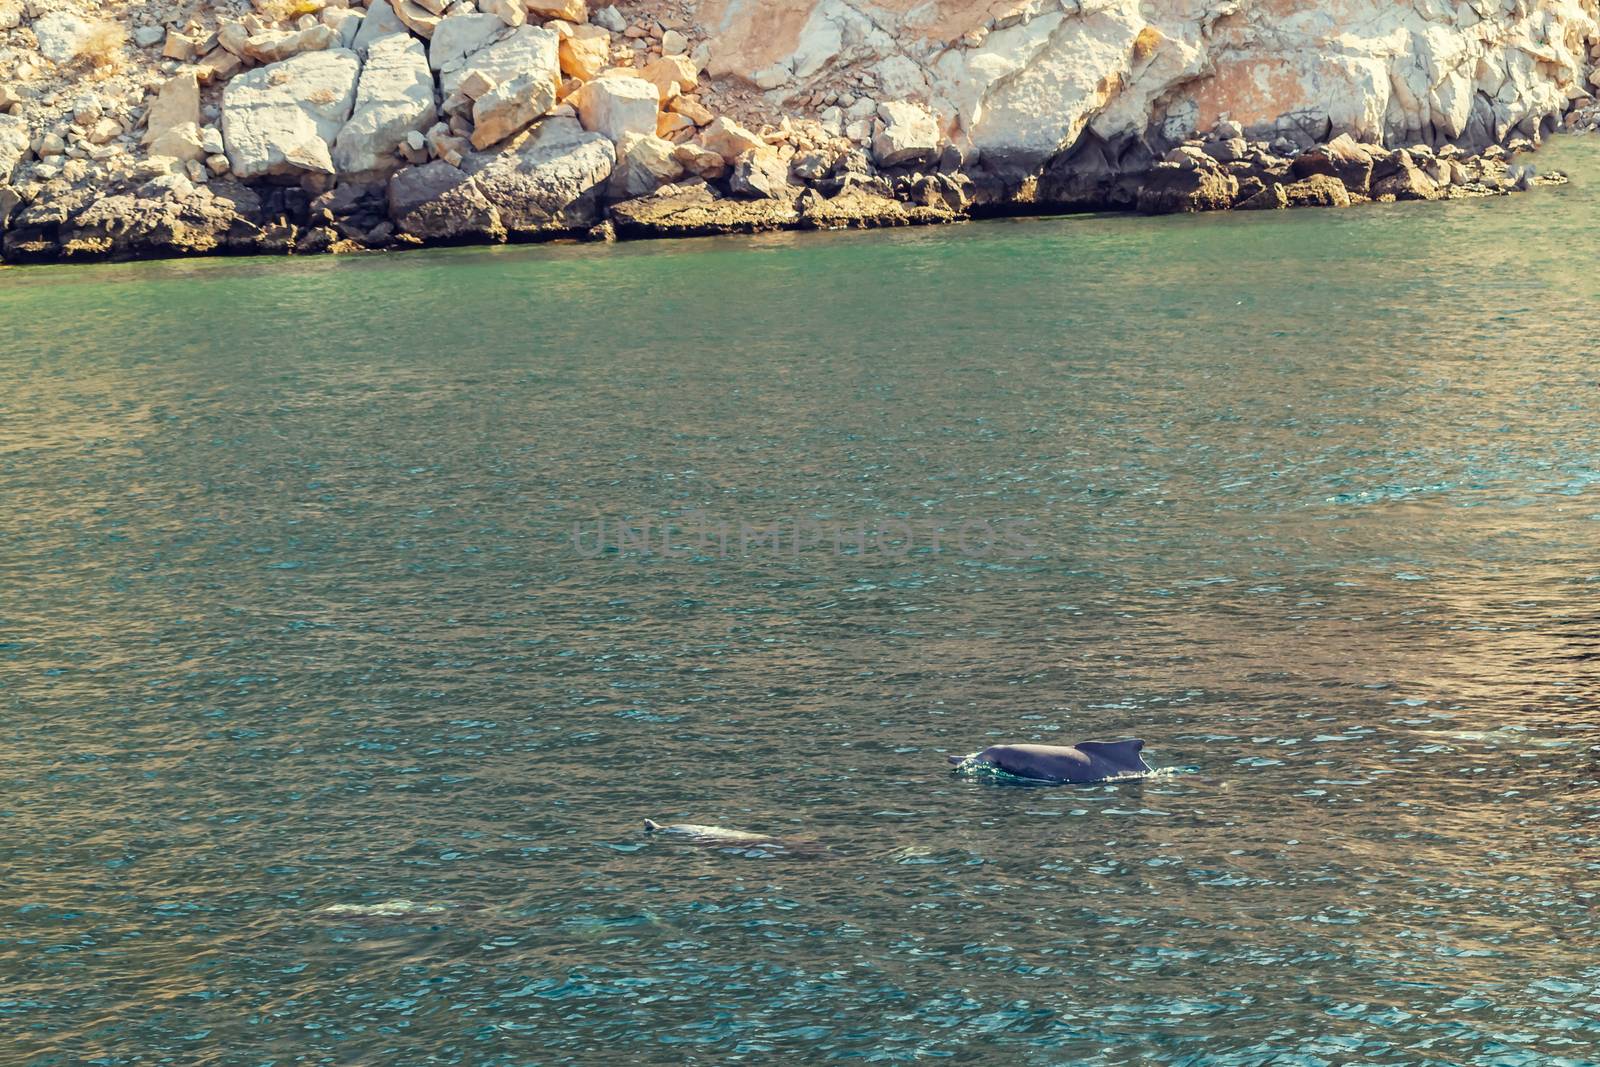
(168, 216)
(398, 126)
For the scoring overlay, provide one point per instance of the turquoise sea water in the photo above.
(293, 617)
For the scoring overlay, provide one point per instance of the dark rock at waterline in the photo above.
(1319, 190)
(859, 209)
(545, 183)
(438, 203)
(692, 209)
(548, 181)
(1267, 198)
(943, 191)
(177, 219)
(1172, 188)
(1096, 173)
(1342, 159)
(1406, 182)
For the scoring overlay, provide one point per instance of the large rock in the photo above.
(671, 75)
(761, 174)
(393, 98)
(570, 10)
(177, 104)
(618, 105)
(437, 203)
(182, 142)
(585, 55)
(1319, 190)
(551, 182)
(165, 219)
(9, 199)
(274, 46)
(60, 35)
(283, 119)
(381, 21)
(1171, 188)
(418, 19)
(459, 36)
(511, 105)
(907, 135)
(729, 140)
(1270, 197)
(1341, 158)
(691, 209)
(527, 49)
(1406, 181)
(14, 141)
(701, 161)
(644, 164)
(859, 209)
(548, 182)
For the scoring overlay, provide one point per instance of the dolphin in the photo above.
(1087, 761)
(737, 840)
(388, 909)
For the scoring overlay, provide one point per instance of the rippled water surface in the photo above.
(293, 619)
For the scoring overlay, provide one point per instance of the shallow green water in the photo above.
(293, 617)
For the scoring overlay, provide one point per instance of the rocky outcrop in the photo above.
(907, 134)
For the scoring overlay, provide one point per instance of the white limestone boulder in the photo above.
(645, 162)
(394, 97)
(177, 104)
(907, 134)
(511, 105)
(617, 105)
(459, 36)
(274, 46)
(729, 140)
(14, 143)
(525, 50)
(60, 35)
(283, 118)
(381, 22)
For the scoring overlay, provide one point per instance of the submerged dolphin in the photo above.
(740, 840)
(1087, 761)
(388, 909)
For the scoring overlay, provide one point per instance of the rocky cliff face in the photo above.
(147, 127)
(1026, 79)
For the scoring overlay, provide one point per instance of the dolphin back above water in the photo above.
(732, 840)
(1087, 761)
(715, 836)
